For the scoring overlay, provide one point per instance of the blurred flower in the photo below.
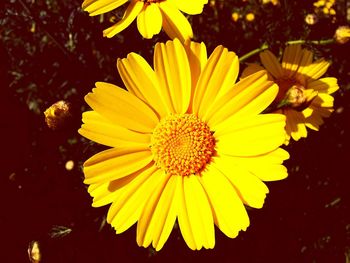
(311, 19)
(342, 34)
(235, 16)
(303, 97)
(69, 165)
(57, 114)
(151, 16)
(274, 2)
(34, 253)
(187, 144)
(325, 7)
(250, 17)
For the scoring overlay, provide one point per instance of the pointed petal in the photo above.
(140, 80)
(195, 216)
(248, 97)
(252, 136)
(159, 214)
(251, 69)
(103, 131)
(173, 71)
(315, 70)
(295, 124)
(149, 21)
(114, 163)
(175, 23)
(251, 190)
(130, 14)
(291, 58)
(121, 107)
(229, 213)
(127, 207)
(97, 7)
(324, 85)
(217, 78)
(193, 7)
(271, 63)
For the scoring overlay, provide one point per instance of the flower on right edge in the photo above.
(303, 97)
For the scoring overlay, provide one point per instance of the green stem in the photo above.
(300, 41)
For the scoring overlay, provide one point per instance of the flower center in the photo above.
(182, 144)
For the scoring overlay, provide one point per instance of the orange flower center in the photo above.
(182, 144)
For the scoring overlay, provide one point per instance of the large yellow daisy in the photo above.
(303, 96)
(188, 144)
(151, 16)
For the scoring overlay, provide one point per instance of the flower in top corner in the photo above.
(187, 144)
(304, 97)
(151, 16)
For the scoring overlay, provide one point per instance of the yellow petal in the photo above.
(174, 22)
(173, 71)
(140, 80)
(159, 214)
(324, 85)
(229, 213)
(248, 97)
(192, 7)
(149, 21)
(103, 131)
(97, 7)
(113, 164)
(121, 107)
(315, 70)
(267, 167)
(197, 57)
(271, 63)
(251, 69)
(251, 190)
(130, 14)
(195, 216)
(217, 78)
(295, 124)
(108, 192)
(252, 136)
(291, 58)
(127, 207)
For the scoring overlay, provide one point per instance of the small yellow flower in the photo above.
(188, 144)
(151, 15)
(342, 34)
(303, 97)
(235, 16)
(311, 19)
(250, 17)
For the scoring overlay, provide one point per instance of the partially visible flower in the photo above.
(311, 19)
(274, 2)
(250, 17)
(235, 16)
(151, 15)
(342, 34)
(188, 144)
(33, 251)
(57, 114)
(303, 97)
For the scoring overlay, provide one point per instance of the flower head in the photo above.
(342, 34)
(188, 144)
(151, 15)
(303, 96)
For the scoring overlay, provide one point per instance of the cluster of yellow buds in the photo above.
(342, 34)
(325, 6)
(249, 17)
(274, 2)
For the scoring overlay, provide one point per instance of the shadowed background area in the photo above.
(52, 51)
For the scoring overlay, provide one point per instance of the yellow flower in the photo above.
(250, 17)
(188, 144)
(342, 34)
(303, 97)
(151, 15)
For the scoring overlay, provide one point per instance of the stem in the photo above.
(300, 41)
(253, 52)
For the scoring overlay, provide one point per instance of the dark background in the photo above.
(52, 50)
